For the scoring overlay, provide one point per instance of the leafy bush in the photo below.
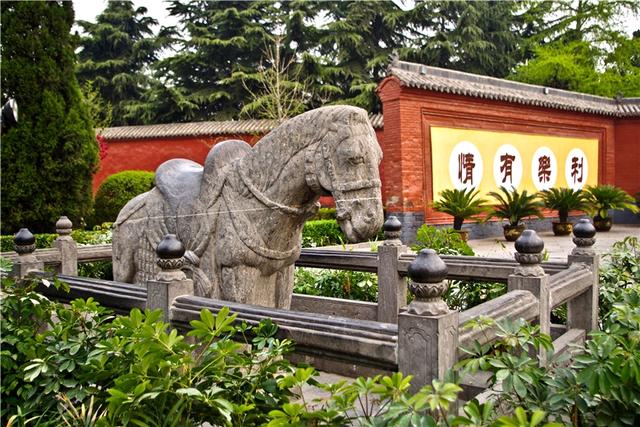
(620, 270)
(116, 191)
(132, 369)
(90, 368)
(445, 241)
(464, 294)
(325, 213)
(514, 205)
(324, 232)
(599, 387)
(343, 284)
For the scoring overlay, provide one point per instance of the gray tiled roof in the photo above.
(460, 83)
(195, 129)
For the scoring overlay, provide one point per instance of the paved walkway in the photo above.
(557, 246)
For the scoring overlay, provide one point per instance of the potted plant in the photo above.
(513, 206)
(602, 198)
(563, 200)
(461, 205)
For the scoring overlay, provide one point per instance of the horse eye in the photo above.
(355, 160)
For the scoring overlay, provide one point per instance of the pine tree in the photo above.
(356, 45)
(484, 37)
(49, 157)
(117, 51)
(221, 43)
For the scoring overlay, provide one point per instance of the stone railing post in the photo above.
(171, 280)
(67, 247)
(582, 311)
(530, 276)
(392, 288)
(24, 243)
(427, 328)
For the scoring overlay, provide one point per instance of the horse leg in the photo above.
(235, 282)
(284, 287)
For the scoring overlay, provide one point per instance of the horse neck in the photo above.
(276, 166)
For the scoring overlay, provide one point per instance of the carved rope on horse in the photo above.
(240, 216)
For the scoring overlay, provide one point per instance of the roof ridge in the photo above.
(500, 82)
(475, 85)
(203, 128)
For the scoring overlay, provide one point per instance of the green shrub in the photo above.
(133, 369)
(445, 241)
(324, 232)
(620, 270)
(89, 368)
(354, 285)
(116, 191)
(325, 213)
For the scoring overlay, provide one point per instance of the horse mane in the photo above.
(295, 135)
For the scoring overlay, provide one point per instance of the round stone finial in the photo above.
(428, 267)
(392, 228)
(392, 224)
(170, 253)
(584, 229)
(24, 242)
(584, 237)
(427, 273)
(529, 248)
(63, 226)
(529, 243)
(170, 248)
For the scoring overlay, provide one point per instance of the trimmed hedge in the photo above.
(116, 191)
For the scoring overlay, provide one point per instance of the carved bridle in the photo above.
(339, 189)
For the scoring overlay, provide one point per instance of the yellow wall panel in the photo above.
(465, 158)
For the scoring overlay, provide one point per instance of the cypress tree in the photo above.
(47, 159)
(117, 50)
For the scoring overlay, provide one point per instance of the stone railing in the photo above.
(423, 338)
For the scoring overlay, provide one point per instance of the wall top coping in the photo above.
(460, 83)
(200, 129)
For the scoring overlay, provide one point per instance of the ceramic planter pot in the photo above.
(464, 235)
(562, 228)
(512, 232)
(602, 224)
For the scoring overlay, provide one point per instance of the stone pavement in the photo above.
(558, 247)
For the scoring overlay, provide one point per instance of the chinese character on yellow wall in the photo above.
(522, 161)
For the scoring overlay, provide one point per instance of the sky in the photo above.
(87, 10)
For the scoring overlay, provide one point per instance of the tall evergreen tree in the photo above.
(356, 44)
(220, 43)
(117, 51)
(47, 159)
(483, 37)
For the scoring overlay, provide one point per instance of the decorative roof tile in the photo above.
(461, 83)
(202, 129)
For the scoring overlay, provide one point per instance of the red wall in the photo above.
(149, 154)
(627, 163)
(406, 168)
(410, 113)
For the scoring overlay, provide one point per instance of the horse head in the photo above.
(345, 165)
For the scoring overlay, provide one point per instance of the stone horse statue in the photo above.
(240, 217)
